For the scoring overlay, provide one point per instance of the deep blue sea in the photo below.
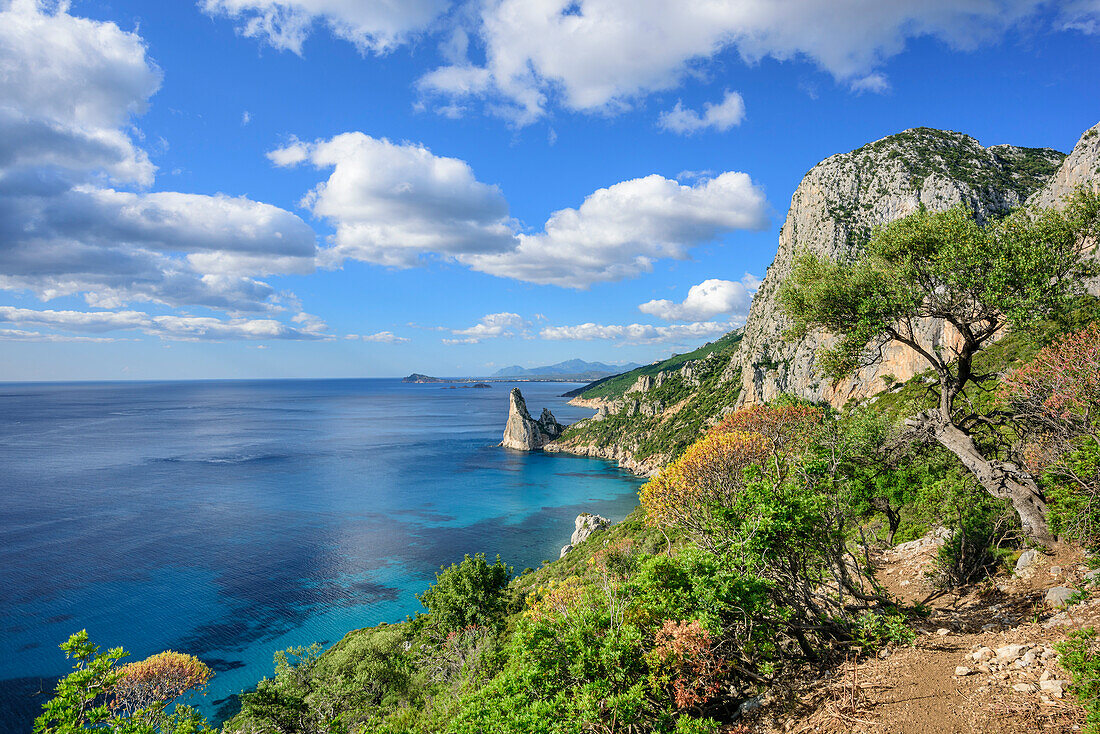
(233, 519)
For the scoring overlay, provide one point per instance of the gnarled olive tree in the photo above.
(979, 279)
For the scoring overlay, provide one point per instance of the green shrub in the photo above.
(1080, 655)
(87, 699)
(466, 593)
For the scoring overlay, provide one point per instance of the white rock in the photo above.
(1053, 687)
(962, 670)
(943, 631)
(983, 654)
(1008, 653)
(1025, 561)
(750, 706)
(1024, 687)
(1058, 596)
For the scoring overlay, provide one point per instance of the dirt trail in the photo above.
(922, 689)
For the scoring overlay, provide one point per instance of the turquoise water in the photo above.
(233, 519)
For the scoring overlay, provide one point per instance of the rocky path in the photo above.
(983, 662)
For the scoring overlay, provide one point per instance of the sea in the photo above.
(233, 519)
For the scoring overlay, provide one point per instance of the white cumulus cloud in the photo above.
(396, 203)
(721, 116)
(600, 55)
(170, 326)
(381, 337)
(491, 326)
(70, 90)
(620, 231)
(712, 297)
(372, 25)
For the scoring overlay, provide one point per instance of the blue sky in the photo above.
(329, 188)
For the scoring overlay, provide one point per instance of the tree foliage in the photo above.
(100, 696)
(469, 592)
(977, 279)
(1055, 401)
(943, 265)
(155, 680)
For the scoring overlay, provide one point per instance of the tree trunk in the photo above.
(1001, 479)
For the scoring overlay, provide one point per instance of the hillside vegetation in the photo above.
(648, 416)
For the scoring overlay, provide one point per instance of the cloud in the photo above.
(491, 326)
(722, 116)
(173, 327)
(638, 333)
(712, 297)
(392, 203)
(70, 89)
(376, 26)
(396, 204)
(382, 337)
(246, 117)
(620, 231)
(20, 335)
(875, 83)
(601, 55)
(1082, 16)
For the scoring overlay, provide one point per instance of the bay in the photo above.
(231, 519)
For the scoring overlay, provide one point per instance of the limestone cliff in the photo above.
(832, 213)
(1080, 168)
(524, 433)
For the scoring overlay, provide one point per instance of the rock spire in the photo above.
(524, 433)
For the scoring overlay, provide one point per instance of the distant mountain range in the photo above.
(572, 368)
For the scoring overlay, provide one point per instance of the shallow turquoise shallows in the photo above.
(233, 519)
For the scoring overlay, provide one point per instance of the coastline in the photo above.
(623, 458)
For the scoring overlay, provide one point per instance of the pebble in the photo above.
(942, 631)
(962, 670)
(1024, 688)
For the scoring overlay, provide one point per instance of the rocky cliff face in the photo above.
(832, 214)
(1080, 168)
(524, 433)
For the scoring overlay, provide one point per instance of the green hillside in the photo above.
(615, 385)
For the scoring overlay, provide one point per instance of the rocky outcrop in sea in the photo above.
(524, 433)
